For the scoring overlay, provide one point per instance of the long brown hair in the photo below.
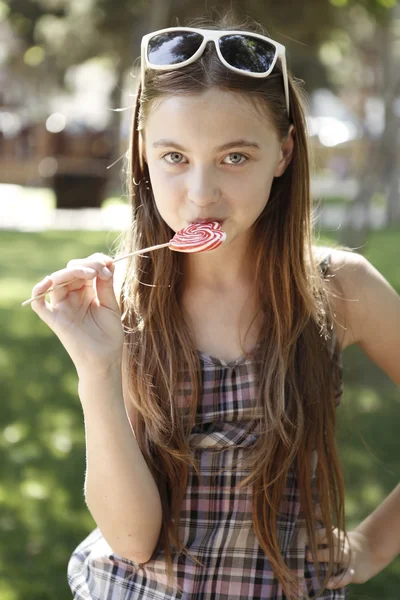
(297, 371)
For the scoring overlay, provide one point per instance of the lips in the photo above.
(209, 220)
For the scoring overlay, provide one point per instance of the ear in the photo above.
(286, 153)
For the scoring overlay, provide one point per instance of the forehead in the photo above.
(213, 113)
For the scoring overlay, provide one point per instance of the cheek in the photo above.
(166, 193)
(158, 181)
(255, 189)
(249, 182)
(155, 174)
(160, 177)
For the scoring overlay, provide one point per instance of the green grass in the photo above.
(376, 200)
(42, 512)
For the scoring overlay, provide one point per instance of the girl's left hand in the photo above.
(359, 569)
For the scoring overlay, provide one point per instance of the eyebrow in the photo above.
(235, 144)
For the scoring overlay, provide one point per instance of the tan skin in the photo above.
(212, 182)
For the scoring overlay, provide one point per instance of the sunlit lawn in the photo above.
(42, 511)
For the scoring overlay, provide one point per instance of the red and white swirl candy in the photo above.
(198, 237)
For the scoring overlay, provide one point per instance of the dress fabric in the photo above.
(216, 519)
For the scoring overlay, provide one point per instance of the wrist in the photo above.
(100, 382)
(376, 550)
(100, 373)
(381, 530)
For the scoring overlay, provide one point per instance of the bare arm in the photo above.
(120, 491)
(382, 529)
(367, 310)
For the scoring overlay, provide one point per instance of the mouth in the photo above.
(210, 220)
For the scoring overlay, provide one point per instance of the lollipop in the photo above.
(196, 237)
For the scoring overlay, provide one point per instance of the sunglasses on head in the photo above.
(242, 52)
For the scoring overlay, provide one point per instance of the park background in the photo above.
(67, 81)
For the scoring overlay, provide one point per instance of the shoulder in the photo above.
(341, 269)
(344, 267)
(336, 259)
(366, 308)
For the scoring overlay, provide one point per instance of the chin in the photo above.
(173, 225)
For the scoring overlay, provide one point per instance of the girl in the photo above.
(209, 382)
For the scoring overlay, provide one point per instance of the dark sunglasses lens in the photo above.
(247, 53)
(173, 47)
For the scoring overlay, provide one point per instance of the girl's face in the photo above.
(212, 156)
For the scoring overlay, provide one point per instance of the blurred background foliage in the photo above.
(56, 50)
(67, 80)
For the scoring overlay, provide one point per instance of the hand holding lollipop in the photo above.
(196, 237)
(86, 317)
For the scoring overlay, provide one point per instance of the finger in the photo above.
(323, 555)
(75, 278)
(341, 581)
(103, 270)
(40, 306)
(94, 260)
(105, 291)
(318, 511)
(69, 273)
(321, 535)
(322, 538)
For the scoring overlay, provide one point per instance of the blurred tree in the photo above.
(375, 27)
(71, 32)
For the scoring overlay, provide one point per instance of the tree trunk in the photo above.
(380, 169)
(390, 141)
(115, 182)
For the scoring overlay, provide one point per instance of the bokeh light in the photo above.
(56, 122)
(34, 56)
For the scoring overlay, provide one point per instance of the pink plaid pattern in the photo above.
(216, 519)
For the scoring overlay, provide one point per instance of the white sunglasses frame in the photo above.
(214, 35)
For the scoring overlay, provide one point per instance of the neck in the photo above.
(221, 270)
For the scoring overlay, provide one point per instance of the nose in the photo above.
(202, 187)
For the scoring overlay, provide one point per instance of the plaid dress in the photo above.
(216, 519)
